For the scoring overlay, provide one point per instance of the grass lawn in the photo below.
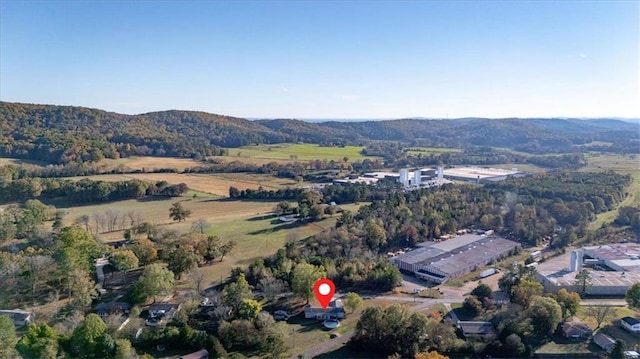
(611, 326)
(304, 334)
(302, 151)
(564, 346)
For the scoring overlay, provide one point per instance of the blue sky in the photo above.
(325, 59)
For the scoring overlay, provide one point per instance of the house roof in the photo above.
(603, 341)
(112, 306)
(574, 327)
(16, 315)
(630, 320)
(476, 328)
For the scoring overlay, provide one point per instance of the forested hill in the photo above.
(62, 134)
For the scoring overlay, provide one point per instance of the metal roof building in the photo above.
(439, 262)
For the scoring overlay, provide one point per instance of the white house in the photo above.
(335, 310)
(630, 324)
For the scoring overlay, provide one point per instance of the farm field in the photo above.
(216, 184)
(302, 151)
(16, 161)
(150, 163)
(425, 151)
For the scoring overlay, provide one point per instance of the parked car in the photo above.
(281, 315)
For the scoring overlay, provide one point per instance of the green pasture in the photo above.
(303, 151)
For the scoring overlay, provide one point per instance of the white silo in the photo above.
(576, 261)
(440, 173)
(404, 177)
(417, 177)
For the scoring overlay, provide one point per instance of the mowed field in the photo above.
(620, 164)
(151, 163)
(302, 152)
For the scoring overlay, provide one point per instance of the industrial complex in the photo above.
(428, 177)
(438, 262)
(613, 269)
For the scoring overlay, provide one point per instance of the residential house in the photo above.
(478, 330)
(604, 341)
(575, 329)
(200, 354)
(335, 310)
(631, 324)
(106, 309)
(19, 317)
(159, 312)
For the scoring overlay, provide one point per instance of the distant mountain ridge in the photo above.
(61, 134)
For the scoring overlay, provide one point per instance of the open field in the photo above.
(249, 223)
(217, 184)
(15, 161)
(302, 151)
(620, 164)
(425, 151)
(151, 163)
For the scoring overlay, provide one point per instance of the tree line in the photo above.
(86, 190)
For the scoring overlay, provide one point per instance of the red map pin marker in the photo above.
(324, 290)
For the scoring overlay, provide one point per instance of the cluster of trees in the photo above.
(86, 190)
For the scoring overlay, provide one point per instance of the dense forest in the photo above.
(42, 132)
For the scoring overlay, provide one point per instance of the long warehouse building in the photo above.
(441, 261)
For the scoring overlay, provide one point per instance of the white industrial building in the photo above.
(480, 174)
(613, 269)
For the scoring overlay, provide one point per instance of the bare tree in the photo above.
(131, 214)
(122, 224)
(200, 225)
(112, 219)
(600, 312)
(83, 221)
(197, 278)
(99, 220)
(271, 287)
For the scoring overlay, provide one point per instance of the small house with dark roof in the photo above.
(575, 329)
(19, 317)
(604, 341)
(477, 330)
(106, 309)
